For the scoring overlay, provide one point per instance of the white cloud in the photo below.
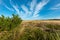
(25, 9)
(33, 4)
(57, 17)
(56, 7)
(40, 6)
(0, 1)
(20, 13)
(33, 10)
(15, 7)
(8, 8)
(35, 16)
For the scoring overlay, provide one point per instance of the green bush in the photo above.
(7, 23)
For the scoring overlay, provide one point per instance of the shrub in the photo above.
(7, 23)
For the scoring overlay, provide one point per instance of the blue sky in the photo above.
(31, 9)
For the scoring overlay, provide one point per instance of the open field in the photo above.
(40, 22)
(34, 30)
(49, 21)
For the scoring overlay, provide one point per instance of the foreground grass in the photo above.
(33, 31)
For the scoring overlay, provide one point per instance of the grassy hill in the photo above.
(34, 30)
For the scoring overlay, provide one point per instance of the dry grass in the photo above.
(34, 30)
(46, 21)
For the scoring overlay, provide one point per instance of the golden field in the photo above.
(34, 30)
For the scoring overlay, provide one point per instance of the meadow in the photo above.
(16, 29)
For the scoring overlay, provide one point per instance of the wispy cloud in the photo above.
(57, 17)
(40, 6)
(33, 4)
(34, 8)
(10, 9)
(20, 12)
(15, 7)
(56, 7)
(2, 3)
(25, 9)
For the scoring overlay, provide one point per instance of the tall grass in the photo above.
(32, 33)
